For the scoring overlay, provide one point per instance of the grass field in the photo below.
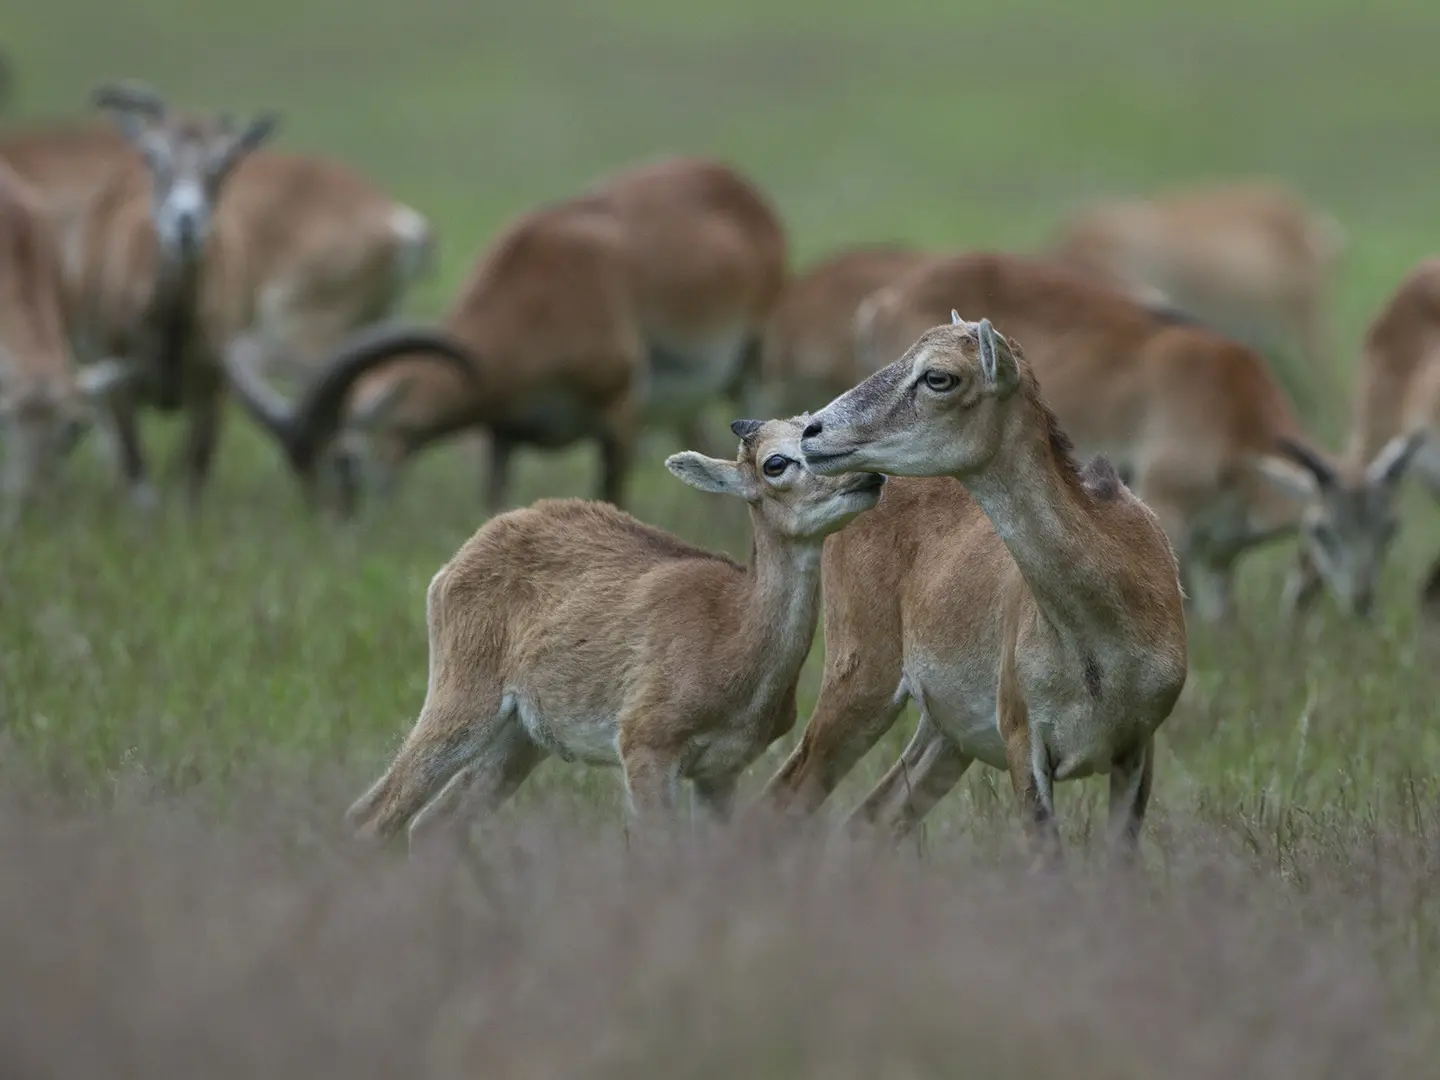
(259, 667)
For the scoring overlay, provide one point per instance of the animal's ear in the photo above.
(707, 473)
(132, 107)
(955, 319)
(1292, 479)
(1394, 458)
(1309, 459)
(745, 429)
(258, 130)
(998, 365)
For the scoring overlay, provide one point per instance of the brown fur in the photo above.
(41, 401)
(1197, 421)
(326, 250)
(808, 354)
(576, 317)
(1396, 405)
(1032, 610)
(1251, 258)
(570, 628)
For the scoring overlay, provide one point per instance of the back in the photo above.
(1398, 383)
(533, 549)
(811, 334)
(707, 249)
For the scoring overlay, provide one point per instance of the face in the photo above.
(1345, 534)
(188, 160)
(1348, 520)
(930, 413)
(771, 475)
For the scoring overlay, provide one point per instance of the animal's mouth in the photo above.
(870, 482)
(819, 462)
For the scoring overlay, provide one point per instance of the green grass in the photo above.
(189, 653)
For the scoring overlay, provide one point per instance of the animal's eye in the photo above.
(775, 464)
(1324, 533)
(940, 381)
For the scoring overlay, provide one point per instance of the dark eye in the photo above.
(940, 381)
(775, 464)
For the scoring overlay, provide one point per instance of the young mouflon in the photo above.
(569, 628)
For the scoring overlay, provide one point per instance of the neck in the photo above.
(1041, 514)
(783, 607)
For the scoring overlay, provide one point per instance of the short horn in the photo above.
(316, 418)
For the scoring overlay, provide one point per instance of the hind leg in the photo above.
(928, 769)
(483, 786)
(457, 735)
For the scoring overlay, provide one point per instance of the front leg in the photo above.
(1030, 774)
(120, 414)
(1131, 778)
(1302, 588)
(715, 799)
(652, 780)
(1430, 593)
(202, 433)
(497, 474)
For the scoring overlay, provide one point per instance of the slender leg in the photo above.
(121, 412)
(615, 454)
(498, 475)
(652, 783)
(1302, 588)
(850, 717)
(202, 435)
(925, 773)
(1430, 592)
(1031, 778)
(455, 731)
(715, 799)
(1131, 778)
(483, 786)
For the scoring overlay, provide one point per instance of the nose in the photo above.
(1364, 603)
(188, 226)
(812, 429)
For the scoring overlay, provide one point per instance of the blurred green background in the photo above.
(185, 651)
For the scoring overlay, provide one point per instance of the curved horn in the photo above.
(129, 96)
(302, 429)
(1307, 457)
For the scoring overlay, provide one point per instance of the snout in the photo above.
(822, 459)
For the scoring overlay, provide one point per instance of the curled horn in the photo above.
(746, 429)
(129, 96)
(304, 428)
(1311, 460)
